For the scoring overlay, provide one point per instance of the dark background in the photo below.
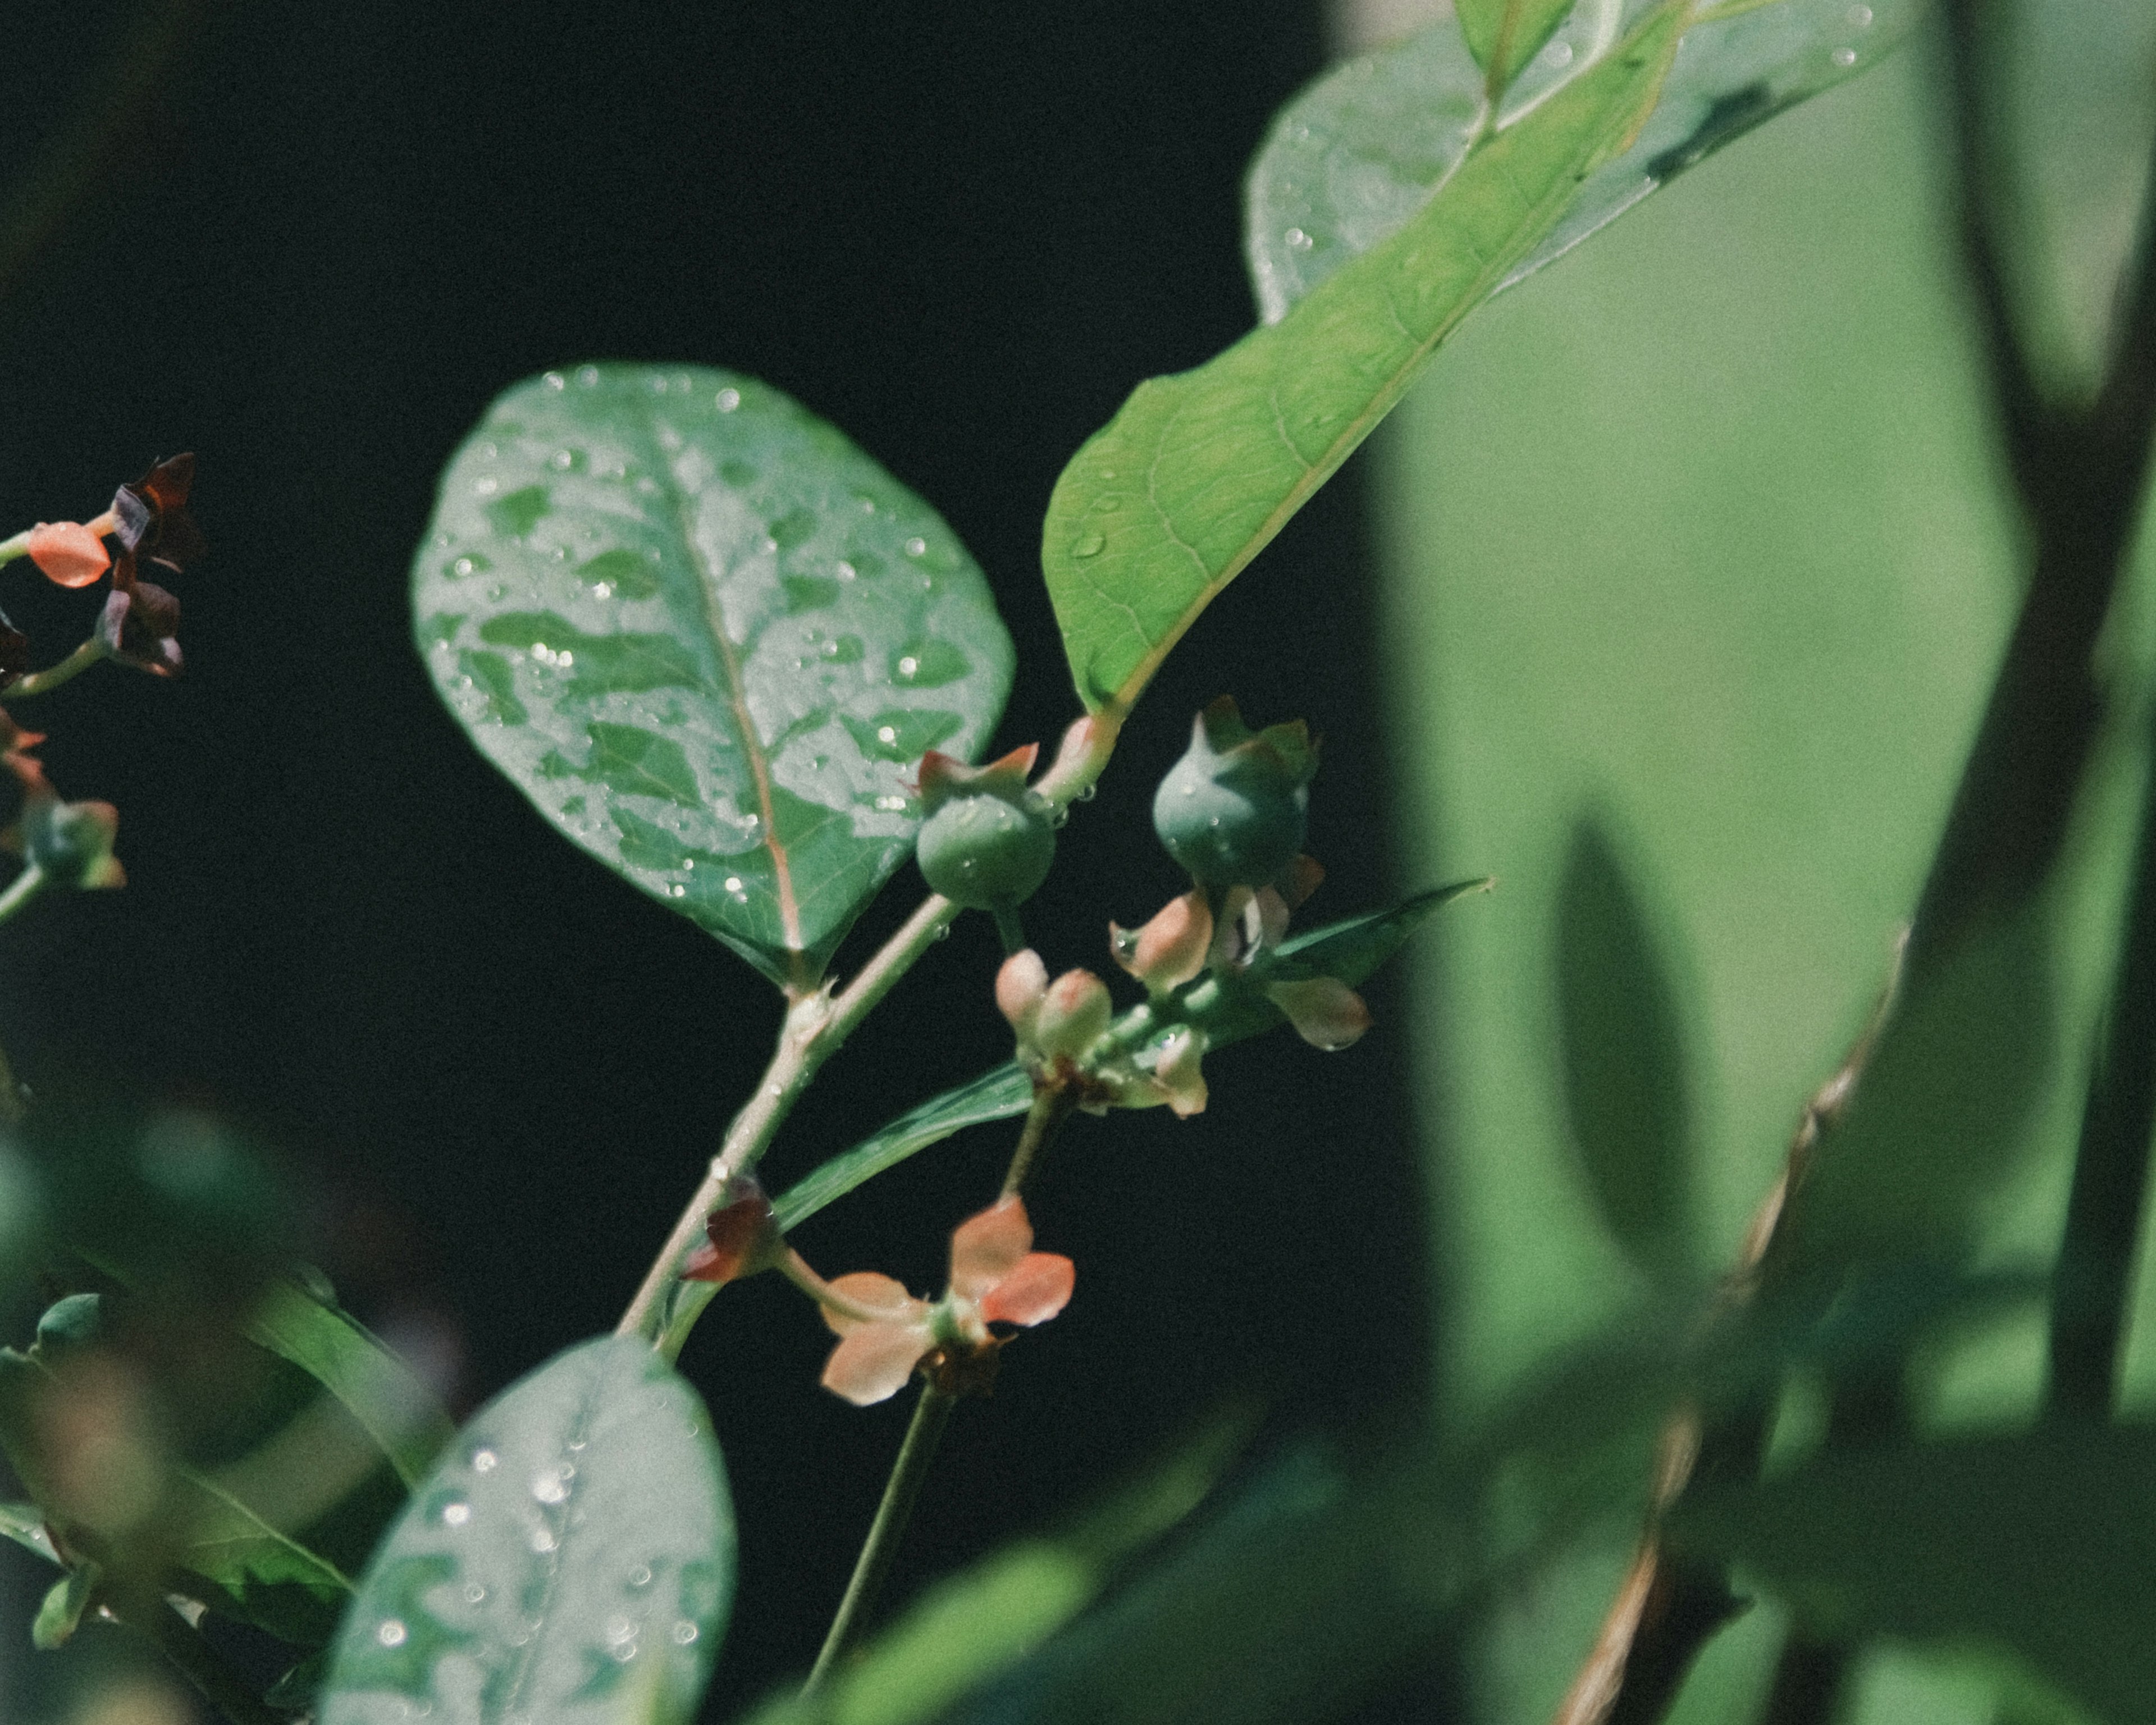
(310, 241)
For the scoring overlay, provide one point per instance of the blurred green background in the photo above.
(1698, 556)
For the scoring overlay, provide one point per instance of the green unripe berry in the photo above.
(1234, 810)
(982, 850)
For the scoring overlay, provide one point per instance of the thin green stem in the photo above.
(53, 675)
(1009, 929)
(931, 1413)
(1052, 1105)
(16, 545)
(201, 1664)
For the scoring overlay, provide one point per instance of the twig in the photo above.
(1052, 1105)
(2090, 1289)
(931, 1413)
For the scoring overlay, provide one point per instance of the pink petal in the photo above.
(872, 1365)
(1171, 949)
(1302, 877)
(1074, 1016)
(1034, 1292)
(1272, 918)
(880, 1294)
(986, 1248)
(1020, 986)
(1324, 1011)
(68, 552)
(1227, 936)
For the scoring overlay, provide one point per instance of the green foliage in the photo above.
(579, 1537)
(1157, 512)
(1348, 162)
(1504, 35)
(706, 635)
(398, 1411)
(2043, 1544)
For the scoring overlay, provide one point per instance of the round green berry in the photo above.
(1234, 809)
(982, 850)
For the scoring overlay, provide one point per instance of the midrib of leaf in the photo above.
(715, 622)
(312, 1560)
(1541, 216)
(522, 1659)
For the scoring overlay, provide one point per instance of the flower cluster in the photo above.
(148, 525)
(996, 1278)
(1064, 1043)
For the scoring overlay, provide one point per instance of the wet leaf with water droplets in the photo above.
(1214, 462)
(1350, 160)
(575, 1544)
(672, 607)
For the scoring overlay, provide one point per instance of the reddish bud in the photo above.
(1170, 950)
(740, 1238)
(68, 552)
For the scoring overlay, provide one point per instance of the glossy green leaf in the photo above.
(2043, 1545)
(234, 1554)
(381, 1391)
(1194, 477)
(1350, 950)
(577, 1537)
(1349, 162)
(1627, 1092)
(1503, 35)
(707, 636)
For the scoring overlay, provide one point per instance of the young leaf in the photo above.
(577, 1542)
(331, 1347)
(1622, 1045)
(236, 1558)
(1503, 35)
(999, 1094)
(707, 636)
(1194, 477)
(1350, 160)
(60, 1613)
(2043, 1544)
(25, 1524)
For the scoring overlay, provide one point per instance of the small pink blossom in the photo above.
(1170, 950)
(996, 1278)
(68, 552)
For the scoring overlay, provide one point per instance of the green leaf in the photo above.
(59, 1614)
(2043, 1545)
(1350, 950)
(1194, 477)
(571, 1558)
(234, 1554)
(705, 635)
(381, 1391)
(1626, 1092)
(998, 1094)
(1350, 160)
(1503, 35)
(25, 1524)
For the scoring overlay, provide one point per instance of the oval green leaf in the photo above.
(1196, 475)
(572, 1556)
(707, 636)
(1348, 162)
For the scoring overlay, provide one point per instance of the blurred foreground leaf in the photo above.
(964, 1630)
(1350, 160)
(706, 635)
(334, 1348)
(578, 1537)
(2043, 1545)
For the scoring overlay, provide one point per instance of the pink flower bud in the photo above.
(1181, 1083)
(1073, 1017)
(68, 552)
(740, 1239)
(1171, 949)
(1325, 1012)
(1021, 985)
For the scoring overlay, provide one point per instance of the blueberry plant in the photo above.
(720, 649)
